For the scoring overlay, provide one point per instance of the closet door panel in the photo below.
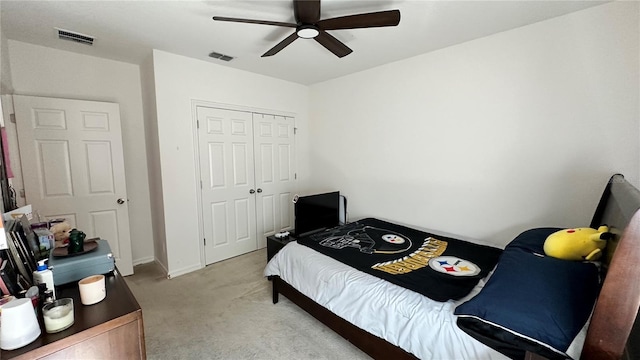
(247, 176)
(225, 140)
(274, 143)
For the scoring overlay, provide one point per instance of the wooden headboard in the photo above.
(612, 334)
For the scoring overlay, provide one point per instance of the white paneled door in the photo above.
(275, 176)
(73, 167)
(247, 177)
(226, 170)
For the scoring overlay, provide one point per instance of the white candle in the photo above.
(92, 289)
(59, 316)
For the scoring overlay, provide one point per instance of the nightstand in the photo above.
(274, 244)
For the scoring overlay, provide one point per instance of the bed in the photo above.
(386, 320)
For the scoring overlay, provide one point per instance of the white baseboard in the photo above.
(162, 266)
(184, 270)
(144, 260)
(178, 272)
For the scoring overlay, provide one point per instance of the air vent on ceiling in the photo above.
(74, 36)
(219, 56)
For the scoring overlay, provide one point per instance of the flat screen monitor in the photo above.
(317, 212)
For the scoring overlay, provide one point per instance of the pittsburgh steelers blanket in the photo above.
(438, 267)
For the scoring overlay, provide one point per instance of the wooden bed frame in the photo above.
(615, 312)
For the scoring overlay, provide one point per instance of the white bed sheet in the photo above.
(417, 324)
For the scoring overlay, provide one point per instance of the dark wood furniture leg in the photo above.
(275, 288)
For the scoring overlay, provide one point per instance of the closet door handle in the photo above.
(259, 190)
(252, 191)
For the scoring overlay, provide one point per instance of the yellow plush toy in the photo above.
(577, 243)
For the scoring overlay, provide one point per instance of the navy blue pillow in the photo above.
(531, 302)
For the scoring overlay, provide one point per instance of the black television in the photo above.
(317, 212)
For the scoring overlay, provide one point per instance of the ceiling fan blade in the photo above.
(281, 45)
(261, 22)
(332, 44)
(376, 19)
(306, 11)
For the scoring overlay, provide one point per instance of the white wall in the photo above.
(490, 137)
(42, 71)
(178, 81)
(147, 80)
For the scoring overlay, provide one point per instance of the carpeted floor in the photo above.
(224, 311)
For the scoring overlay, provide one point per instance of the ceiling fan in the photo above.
(309, 26)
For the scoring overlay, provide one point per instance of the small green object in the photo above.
(76, 241)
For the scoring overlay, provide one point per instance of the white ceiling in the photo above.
(128, 30)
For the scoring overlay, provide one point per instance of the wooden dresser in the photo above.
(110, 329)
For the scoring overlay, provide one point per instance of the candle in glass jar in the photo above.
(58, 315)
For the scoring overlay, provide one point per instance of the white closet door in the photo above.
(227, 174)
(274, 159)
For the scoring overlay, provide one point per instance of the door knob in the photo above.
(121, 201)
(251, 191)
(259, 190)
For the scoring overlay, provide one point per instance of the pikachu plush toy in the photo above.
(577, 243)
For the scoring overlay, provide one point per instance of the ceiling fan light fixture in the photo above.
(307, 31)
(309, 25)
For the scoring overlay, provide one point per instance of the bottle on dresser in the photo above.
(43, 275)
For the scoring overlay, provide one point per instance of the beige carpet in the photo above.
(224, 311)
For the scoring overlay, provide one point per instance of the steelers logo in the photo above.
(454, 266)
(393, 239)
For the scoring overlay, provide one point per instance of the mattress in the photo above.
(415, 323)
